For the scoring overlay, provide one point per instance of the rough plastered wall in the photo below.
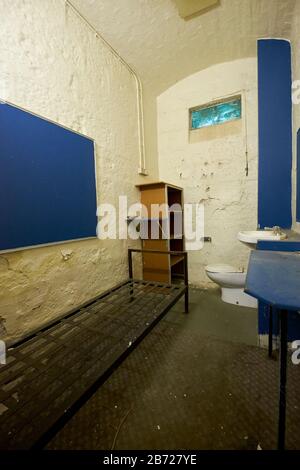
(210, 163)
(52, 64)
(295, 45)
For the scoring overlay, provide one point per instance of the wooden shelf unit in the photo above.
(176, 259)
(160, 267)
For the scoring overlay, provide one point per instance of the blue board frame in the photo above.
(47, 182)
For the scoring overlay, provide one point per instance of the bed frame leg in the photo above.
(130, 271)
(186, 301)
(270, 341)
(283, 373)
(186, 282)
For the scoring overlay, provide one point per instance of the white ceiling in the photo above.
(163, 48)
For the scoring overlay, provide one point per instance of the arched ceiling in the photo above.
(164, 48)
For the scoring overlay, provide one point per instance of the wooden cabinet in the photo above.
(162, 229)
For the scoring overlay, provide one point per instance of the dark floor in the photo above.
(195, 382)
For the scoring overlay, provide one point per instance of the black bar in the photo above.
(186, 282)
(283, 373)
(78, 459)
(270, 345)
(130, 273)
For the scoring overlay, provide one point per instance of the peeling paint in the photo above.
(4, 264)
(66, 254)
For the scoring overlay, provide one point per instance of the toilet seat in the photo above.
(222, 268)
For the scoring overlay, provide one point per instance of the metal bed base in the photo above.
(52, 373)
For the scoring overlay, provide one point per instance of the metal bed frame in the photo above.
(50, 374)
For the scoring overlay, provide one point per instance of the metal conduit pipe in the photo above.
(141, 134)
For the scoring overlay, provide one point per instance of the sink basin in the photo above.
(251, 237)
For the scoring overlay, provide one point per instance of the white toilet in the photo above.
(232, 282)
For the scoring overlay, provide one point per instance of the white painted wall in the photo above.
(52, 64)
(295, 44)
(210, 163)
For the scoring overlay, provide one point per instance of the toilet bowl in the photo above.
(232, 282)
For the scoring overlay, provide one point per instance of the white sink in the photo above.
(251, 237)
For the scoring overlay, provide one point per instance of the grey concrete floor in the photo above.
(211, 316)
(197, 381)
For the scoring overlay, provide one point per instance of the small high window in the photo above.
(216, 113)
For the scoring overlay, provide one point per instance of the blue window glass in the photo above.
(216, 114)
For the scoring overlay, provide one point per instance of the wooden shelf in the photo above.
(160, 267)
(149, 219)
(156, 184)
(177, 276)
(176, 259)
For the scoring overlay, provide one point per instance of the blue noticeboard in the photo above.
(47, 182)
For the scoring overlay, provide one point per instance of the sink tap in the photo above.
(276, 229)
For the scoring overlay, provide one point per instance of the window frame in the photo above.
(211, 104)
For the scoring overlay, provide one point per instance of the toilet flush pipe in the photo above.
(139, 89)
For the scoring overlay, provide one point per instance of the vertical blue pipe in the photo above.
(298, 178)
(275, 133)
